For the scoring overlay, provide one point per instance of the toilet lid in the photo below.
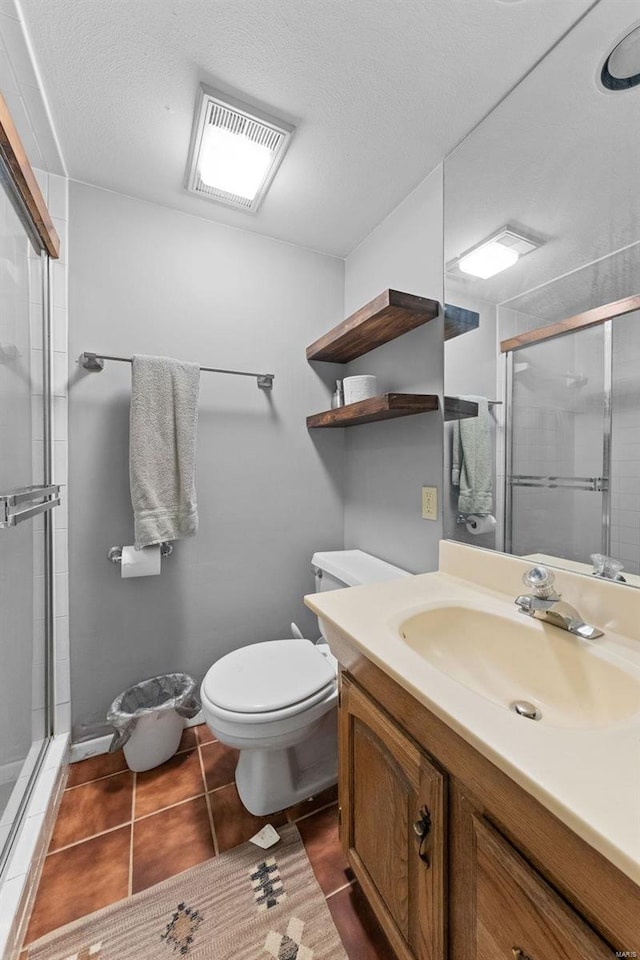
(268, 676)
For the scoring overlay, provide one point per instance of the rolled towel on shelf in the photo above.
(359, 388)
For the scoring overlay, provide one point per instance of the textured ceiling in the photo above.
(381, 91)
(560, 156)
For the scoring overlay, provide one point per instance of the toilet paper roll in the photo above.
(477, 524)
(359, 388)
(140, 563)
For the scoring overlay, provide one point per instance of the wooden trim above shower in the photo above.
(25, 182)
(608, 311)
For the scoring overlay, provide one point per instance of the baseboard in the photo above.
(9, 772)
(93, 748)
(89, 748)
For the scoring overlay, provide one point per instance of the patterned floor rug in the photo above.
(246, 904)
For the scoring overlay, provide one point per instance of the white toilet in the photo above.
(276, 701)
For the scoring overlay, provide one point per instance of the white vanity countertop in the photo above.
(587, 777)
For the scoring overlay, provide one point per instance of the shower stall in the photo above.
(573, 445)
(26, 498)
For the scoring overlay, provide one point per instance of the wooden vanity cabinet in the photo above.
(392, 803)
(504, 878)
(520, 917)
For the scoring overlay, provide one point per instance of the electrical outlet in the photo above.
(429, 503)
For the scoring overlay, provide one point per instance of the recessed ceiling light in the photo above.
(496, 253)
(235, 150)
(621, 69)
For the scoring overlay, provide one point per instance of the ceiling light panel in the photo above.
(235, 151)
(495, 254)
(488, 260)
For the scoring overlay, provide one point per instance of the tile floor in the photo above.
(118, 832)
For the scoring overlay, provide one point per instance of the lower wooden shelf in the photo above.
(455, 408)
(385, 406)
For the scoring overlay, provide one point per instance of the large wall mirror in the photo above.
(542, 241)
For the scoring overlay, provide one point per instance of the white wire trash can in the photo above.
(148, 719)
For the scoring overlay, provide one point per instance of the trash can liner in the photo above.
(172, 691)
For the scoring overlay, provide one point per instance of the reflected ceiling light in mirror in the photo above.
(489, 259)
(621, 69)
(235, 150)
(495, 254)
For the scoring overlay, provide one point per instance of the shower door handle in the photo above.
(595, 484)
(26, 502)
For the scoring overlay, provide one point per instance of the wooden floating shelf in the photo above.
(390, 315)
(458, 321)
(457, 409)
(386, 406)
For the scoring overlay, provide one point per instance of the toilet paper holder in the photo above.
(114, 554)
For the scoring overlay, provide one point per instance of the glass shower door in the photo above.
(558, 484)
(24, 536)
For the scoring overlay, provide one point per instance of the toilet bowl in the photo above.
(276, 701)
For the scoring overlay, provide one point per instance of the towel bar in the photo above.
(26, 502)
(95, 363)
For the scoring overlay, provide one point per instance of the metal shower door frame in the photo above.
(7, 847)
(601, 484)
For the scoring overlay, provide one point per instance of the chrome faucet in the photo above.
(547, 604)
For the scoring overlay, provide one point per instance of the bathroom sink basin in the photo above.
(507, 659)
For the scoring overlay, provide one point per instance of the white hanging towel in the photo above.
(162, 444)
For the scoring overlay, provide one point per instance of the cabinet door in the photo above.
(518, 915)
(389, 790)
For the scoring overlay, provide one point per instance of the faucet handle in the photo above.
(540, 581)
(607, 567)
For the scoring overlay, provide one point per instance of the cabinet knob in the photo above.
(422, 826)
(519, 954)
(422, 829)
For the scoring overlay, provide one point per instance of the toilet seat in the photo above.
(255, 720)
(268, 681)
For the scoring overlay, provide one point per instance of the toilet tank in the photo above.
(335, 569)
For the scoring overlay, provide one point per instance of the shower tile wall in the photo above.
(587, 393)
(509, 322)
(20, 89)
(23, 867)
(561, 437)
(625, 443)
(543, 445)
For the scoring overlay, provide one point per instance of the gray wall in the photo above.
(471, 367)
(387, 463)
(149, 280)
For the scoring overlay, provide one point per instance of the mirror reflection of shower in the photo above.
(534, 376)
(572, 436)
